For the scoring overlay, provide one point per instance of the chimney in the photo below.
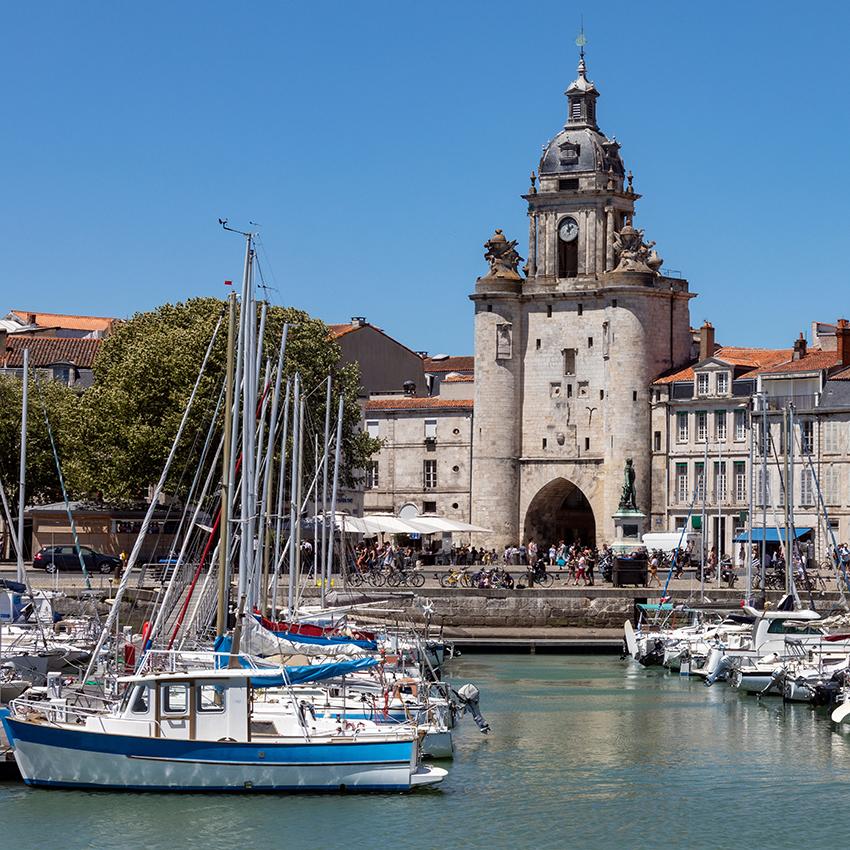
(358, 321)
(799, 348)
(706, 341)
(842, 338)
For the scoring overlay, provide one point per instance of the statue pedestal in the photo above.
(628, 526)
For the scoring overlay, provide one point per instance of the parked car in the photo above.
(53, 558)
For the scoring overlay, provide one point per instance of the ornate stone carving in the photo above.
(502, 257)
(633, 253)
(628, 501)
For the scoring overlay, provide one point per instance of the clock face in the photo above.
(568, 230)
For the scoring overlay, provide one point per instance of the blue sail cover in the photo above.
(295, 675)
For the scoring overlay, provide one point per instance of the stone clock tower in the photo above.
(564, 355)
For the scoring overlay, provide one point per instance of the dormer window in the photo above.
(569, 152)
(722, 383)
(702, 383)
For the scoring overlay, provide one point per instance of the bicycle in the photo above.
(454, 578)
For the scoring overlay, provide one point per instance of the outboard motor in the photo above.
(721, 672)
(469, 696)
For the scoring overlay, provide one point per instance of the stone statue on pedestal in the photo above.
(502, 257)
(628, 501)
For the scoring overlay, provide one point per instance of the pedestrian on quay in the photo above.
(653, 570)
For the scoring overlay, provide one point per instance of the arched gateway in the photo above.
(560, 511)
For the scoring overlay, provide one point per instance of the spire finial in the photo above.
(581, 40)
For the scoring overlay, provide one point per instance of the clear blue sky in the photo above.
(379, 144)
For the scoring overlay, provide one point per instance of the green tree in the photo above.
(143, 377)
(62, 405)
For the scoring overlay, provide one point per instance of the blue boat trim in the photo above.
(232, 751)
(265, 762)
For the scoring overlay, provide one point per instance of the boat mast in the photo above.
(22, 480)
(281, 487)
(294, 549)
(324, 551)
(704, 518)
(334, 489)
(750, 503)
(226, 484)
(765, 437)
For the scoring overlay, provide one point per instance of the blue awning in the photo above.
(772, 536)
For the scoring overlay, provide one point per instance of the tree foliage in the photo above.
(114, 438)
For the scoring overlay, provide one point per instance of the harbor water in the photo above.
(585, 752)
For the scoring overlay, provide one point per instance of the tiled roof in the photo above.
(458, 379)
(337, 331)
(48, 351)
(814, 360)
(843, 375)
(748, 358)
(415, 403)
(465, 363)
(69, 322)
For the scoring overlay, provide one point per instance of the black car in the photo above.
(53, 558)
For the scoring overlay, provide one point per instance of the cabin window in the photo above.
(779, 627)
(211, 698)
(175, 699)
(141, 700)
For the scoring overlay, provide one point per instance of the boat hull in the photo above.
(51, 756)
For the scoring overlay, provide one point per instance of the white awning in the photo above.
(441, 524)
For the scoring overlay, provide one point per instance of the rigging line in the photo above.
(68, 510)
(262, 246)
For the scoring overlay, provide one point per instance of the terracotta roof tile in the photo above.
(67, 321)
(459, 379)
(414, 403)
(463, 363)
(814, 360)
(843, 375)
(336, 331)
(749, 358)
(49, 350)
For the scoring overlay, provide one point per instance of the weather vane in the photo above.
(581, 39)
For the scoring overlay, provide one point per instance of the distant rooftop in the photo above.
(48, 351)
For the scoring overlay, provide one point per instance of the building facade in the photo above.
(740, 432)
(424, 465)
(565, 352)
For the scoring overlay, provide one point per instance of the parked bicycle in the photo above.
(454, 578)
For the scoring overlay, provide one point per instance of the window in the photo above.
(583, 389)
(372, 475)
(569, 390)
(569, 361)
(702, 426)
(740, 472)
(831, 484)
(372, 428)
(722, 383)
(699, 475)
(567, 258)
(211, 698)
(430, 429)
(807, 487)
(656, 441)
(544, 442)
(175, 699)
(590, 342)
(681, 427)
(720, 480)
(141, 700)
(830, 431)
(429, 474)
(601, 395)
(702, 383)
(807, 436)
(429, 507)
(548, 311)
(581, 309)
(571, 183)
(720, 426)
(504, 341)
(587, 444)
(537, 344)
(763, 488)
(634, 395)
(555, 389)
(740, 425)
(606, 339)
(682, 482)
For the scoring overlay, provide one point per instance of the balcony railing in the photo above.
(800, 402)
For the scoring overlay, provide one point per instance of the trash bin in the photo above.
(630, 571)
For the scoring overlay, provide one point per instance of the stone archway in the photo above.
(560, 511)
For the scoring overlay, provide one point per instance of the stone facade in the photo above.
(715, 409)
(424, 464)
(565, 355)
